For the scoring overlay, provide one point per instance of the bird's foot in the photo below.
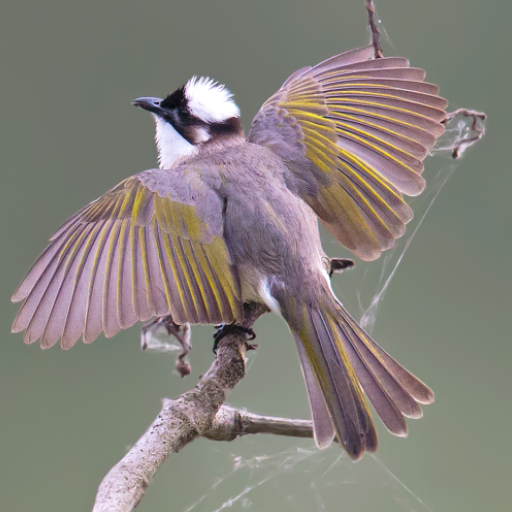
(338, 265)
(182, 333)
(225, 329)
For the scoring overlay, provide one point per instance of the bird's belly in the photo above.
(273, 238)
(280, 259)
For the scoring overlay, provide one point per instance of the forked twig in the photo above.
(479, 132)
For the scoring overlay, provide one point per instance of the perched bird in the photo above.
(228, 219)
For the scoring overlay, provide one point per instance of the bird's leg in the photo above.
(225, 329)
(182, 333)
(338, 265)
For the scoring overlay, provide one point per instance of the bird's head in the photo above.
(199, 113)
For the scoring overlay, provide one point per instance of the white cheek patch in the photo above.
(201, 135)
(171, 145)
(210, 101)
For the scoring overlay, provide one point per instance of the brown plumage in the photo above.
(128, 256)
(227, 220)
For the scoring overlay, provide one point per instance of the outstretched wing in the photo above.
(152, 245)
(354, 131)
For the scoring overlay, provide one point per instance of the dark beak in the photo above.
(148, 103)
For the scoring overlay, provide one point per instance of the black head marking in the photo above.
(176, 111)
(174, 100)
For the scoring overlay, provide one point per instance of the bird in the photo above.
(228, 219)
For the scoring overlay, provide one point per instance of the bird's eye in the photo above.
(185, 114)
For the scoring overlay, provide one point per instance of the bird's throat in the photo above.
(172, 147)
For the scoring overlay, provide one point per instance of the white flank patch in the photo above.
(171, 145)
(210, 101)
(270, 301)
(325, 274)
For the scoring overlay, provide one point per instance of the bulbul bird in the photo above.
(228, 219)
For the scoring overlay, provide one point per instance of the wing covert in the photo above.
(153, 245)
(353, 131)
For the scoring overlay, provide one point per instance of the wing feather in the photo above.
(49, 295)
(224, 290)
(140, 286)
(362, 127)
(385, 138)
(36, 271)
(348, 58)
(356, 82)
(371, 203)
(75, 321)
(94, 308)
(147, 247)
(38, 280)
(198, 279)
(126, 304)
(57, 319)
(111, 324)
(360, 66)
(423, 102)
(401, 118)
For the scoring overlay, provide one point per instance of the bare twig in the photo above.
(479, 132)
(370, 8)
(230, 423)
(180, 421)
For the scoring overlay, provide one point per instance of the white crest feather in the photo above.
(210, 101)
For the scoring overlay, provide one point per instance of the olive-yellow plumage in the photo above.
(228, 219)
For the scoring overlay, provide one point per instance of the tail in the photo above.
(338, 359)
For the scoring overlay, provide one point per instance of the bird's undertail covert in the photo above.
(340, 360)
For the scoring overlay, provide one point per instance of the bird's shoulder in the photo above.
(244, 160)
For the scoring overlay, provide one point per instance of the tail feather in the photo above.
(334, 376)
(385, 406)
(414, 386)
(367, 362)
(323, 428)
(339, 360)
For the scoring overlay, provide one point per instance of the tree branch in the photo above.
(179, 422)
(230, 423)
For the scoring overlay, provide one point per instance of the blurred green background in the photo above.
(68, 133)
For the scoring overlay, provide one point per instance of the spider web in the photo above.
(375, 278)
(307, 479)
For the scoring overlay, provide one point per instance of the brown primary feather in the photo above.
(363, 127)
(134, 253)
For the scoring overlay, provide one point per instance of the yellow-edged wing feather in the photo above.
(153, 245)
(354, 131)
